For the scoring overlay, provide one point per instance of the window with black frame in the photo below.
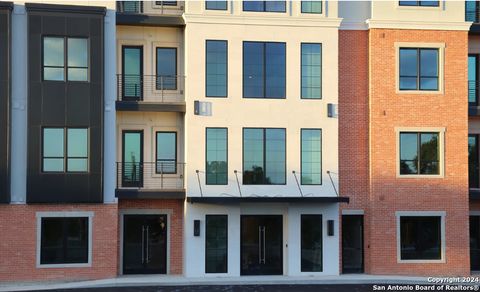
(64, 240)
(419, 153)
(419, 69)
(311, 243)
(311, 71)
(311, 156)
(264, 156)
(65, 58)
(264, 70)
(473, 162)
(166, 3)
(216, 243)
(264, 6)
(473, 84)
(216, 68)
(420, 238)
(64, 149)
(216, 5)
(166, 156)
(166, 69)
(427, 3)
(216, 156)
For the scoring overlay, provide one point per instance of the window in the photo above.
(264, 156)
(311, 243)
(419, 153)
(419, 3)
(312, 7)
(473, 83)
(166, 69)
(264, 70)
(264, 6)
(216, 160)
(64, 240)
(166, 161)
(54, 145)
(216, 235)
(311, 156)
(216, 68)
(216, 5)
(166, 3)
(472, 11)
(312, 71)
(420, 238)
(473, 162)
(419, 69)
(54, 59)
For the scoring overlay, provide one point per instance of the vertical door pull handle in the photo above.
(148, 244)
(264, 243)
(143, 244)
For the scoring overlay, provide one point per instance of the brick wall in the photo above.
(176, 226)
(18, 235)
(388, 193)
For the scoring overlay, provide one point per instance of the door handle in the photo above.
(264, 243)
(259, 244)
(148, 250)
(143, 244)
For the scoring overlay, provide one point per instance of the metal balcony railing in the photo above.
(157, 7)
(472, 11)
(473, 91)
(150, 88)
(150, 175)
(130, 6)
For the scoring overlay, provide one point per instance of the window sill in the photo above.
(438, 92)
(441, 261)
(50, 266)
(420, 176)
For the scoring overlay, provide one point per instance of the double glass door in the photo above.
(261, 245)
(145, 244)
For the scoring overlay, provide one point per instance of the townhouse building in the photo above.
(232, 138)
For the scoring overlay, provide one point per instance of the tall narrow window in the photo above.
(216, 5)
(77, 59)
(472, 10)
(216, 68)
(419, 153)
(64, 240)
(311, 157)
(216, 160)
(264, 70)
(264, 6)
(312, 7)
(473, 84)
(77, 150)
(166, 161)
(53, 150)
(473, 162)
(312, 71)
(55, 56)
(56, 140)
(264, 161)
(419, 69)
(311, 243)
(420, 238)
(216, 235)
(166, 69)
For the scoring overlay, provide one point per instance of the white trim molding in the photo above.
(423, 25)
(441, 151)
(65, 214)
(441, 214)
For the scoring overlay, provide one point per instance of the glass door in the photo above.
(132, 73)
(352, 244)
(132, 160)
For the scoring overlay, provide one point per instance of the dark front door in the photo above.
(475, 243)
(132, 73)
(132, 159)
(145, 244)
(261, 245)
(352, 244)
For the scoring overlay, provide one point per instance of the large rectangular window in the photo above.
(264, 6)
(216, 240)
(264, 156)
(312, 7)
(166, 159)
(312, 71)
(428, 3)
(64, 240)
(264, 70)
(473, 162)
(311, 243)
(215, 5)
(216, 160)
(311, 156)
(473, 84)
(216, 68)
(419, 69)
(166, 69)
(56, 141)
(419, 153)
(420, 238)
(58, 51)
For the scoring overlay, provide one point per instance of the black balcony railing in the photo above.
(157, 7)
(150, 175)
(472, 11)
(473, 91)
(151, 88)
(130, 6)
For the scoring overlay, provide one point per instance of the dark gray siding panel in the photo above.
(65, 104)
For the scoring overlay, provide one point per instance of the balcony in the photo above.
(150, 180)
(150, 93)
(472, 14)
(150, 13)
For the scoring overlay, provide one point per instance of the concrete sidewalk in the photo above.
(166, 280)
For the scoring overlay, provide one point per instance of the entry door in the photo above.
(145, 244)
(261, 245)
(132, 159)
(352, 244)
(132, 73)
(475, 243)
